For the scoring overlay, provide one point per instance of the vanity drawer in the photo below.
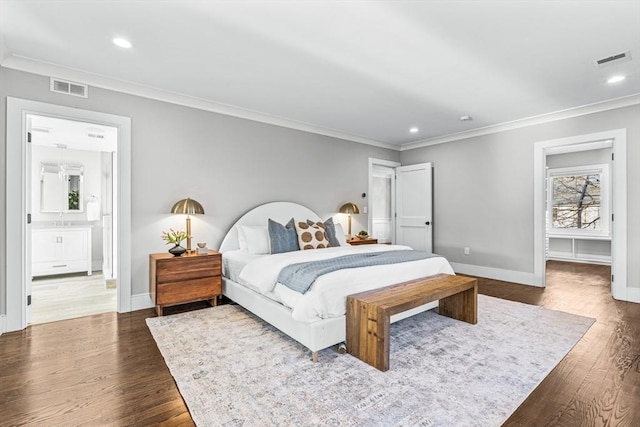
(47, 268)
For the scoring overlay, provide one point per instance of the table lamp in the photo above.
(349, 209)
(189, 207)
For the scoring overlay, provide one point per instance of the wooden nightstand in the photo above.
(186, 278)
(354, 241)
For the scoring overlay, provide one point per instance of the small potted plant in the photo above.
(174, 237)
(362, 234)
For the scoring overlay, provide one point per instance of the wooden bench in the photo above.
(369, 313)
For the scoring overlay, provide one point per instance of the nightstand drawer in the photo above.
(194, 267)
(191, 290)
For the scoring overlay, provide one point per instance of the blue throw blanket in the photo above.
(301, 276)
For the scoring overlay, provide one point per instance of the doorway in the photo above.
(382, 197)
(615, 141)
(71, 168)
(18, 218)
(401, 204)
(382, 200)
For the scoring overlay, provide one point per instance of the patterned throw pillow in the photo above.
(330, 229)
(311, 236)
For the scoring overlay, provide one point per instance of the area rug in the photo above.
(233, 369)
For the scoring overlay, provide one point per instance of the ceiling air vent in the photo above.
(68, 88)
(613, 59)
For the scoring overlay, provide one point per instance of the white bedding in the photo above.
(233, 262)
(327, 297)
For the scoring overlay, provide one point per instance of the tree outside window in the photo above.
(578, 200)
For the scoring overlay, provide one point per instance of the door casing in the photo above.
(16, 235)
(619, 204)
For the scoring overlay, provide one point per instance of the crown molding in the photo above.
(54, 70)
(610, 104)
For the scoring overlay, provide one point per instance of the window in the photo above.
(578, 200)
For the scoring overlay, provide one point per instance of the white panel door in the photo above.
(414, 207)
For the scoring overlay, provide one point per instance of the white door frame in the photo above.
(17, 194)
(390, 164)
(619, 205)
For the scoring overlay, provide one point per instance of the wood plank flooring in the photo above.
(68, 296)
(106, 369)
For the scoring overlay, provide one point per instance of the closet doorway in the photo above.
(71, 166)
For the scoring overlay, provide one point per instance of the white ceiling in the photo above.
(365, 70)
(71, 134)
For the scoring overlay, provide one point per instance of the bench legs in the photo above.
(368, 322)
(367, 334)
(462, 306)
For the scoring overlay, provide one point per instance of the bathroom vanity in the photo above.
(61, 250)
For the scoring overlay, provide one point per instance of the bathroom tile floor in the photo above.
(69, 296)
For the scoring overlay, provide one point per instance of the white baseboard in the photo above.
(495, 273)
(587, 259)
(633, 295)
(3, 323)
(141, 301)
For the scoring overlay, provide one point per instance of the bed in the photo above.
(316, 319)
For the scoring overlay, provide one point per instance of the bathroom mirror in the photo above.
(61, 188)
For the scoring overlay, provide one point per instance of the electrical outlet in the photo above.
(467, 251)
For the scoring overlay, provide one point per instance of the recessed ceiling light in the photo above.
(414, 130)
(120, 42)
(466, 118)
(616, 79)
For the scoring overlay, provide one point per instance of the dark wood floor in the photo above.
(106, 369)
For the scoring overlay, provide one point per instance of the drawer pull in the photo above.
(61, 265)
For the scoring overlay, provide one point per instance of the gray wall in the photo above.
(580, 158)
(483, 190)
(229, 165)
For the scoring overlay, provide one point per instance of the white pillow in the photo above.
(254, 239)
(340, 235)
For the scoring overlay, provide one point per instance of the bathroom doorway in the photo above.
(72, 197)
(17, 292)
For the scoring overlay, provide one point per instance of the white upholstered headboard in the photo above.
(281, 212)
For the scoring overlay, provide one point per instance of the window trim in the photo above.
(605, 200)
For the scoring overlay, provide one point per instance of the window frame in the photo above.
(605, 200)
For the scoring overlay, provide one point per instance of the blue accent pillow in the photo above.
(330, 230)
(283, 237)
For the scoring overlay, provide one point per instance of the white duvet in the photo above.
(327, 296)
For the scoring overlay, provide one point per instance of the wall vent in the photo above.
(68, 88)
(613, 59)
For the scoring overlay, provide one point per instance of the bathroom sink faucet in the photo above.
(55, 223)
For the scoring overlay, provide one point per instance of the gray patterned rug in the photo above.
(233, 369)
